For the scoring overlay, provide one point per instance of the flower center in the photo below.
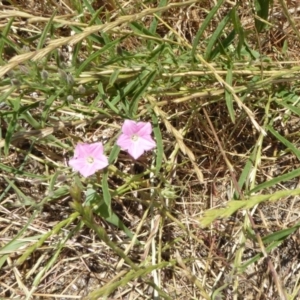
(89, 160)
(134, 137)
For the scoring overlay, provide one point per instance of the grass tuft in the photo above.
(212, 212)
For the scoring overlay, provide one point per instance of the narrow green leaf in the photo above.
(223, 45)
(10, 131)
(4, 96)
(15, 243)
(153, 57)
(54, 257)
(276, 180)
(28, 117)
(47, 28)
(106, 100)
(57, 228)
(47, 107)
(76, 53)
(132, 275)
(3, 37)
(140, 29)
(111, 106)
(93, 199)
(114, 76)
(95, 19)
(138, 94)
(234, 205)
(228, 95)
(106, 193)
(254, 259)
(280, 235)
(204, 26)
(114, 219)
(26, 200)
(159, 144)
(284, 141)
(154, 23)
(214, 38)
(95, 14)
(239, 29)
(247, 169)
(290, 107)
(53, 179)
(96, 55)
(114, 154)
(130, 88)
(262, 10)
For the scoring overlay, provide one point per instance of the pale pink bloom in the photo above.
(88, 159)
(136, 138)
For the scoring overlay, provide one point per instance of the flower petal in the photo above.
(143, 128)
(80, 163)
(124, 142)
(135, 150)
(80, 150)
(95, 150)
(88, 170)
(101, 162)
(129, 127)
(146, 142)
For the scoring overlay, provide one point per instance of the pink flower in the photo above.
(136, 138)
(88, 159)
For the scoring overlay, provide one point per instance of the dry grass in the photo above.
(52, 251)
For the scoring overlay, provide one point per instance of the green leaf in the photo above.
(228, 95)
(284, 141)
(48, 106)
(204, 25)
(25, 199)
(159, 143)
(106, 193)
(114, 76)
(234, 205)
(114, 219)
(95, 14)
(4, 40)
(114, 154)
(132, 275)
(15, 244)
(280, 235)
(247, 170)
(94, 199)
(140, 29)
(239, 29)
(215, 36)
(138, 94)
(276, 180)
(106, 100)
(223, 45)
(262, 10)
(290, 107)
(254, 259)
(10, 131)
(4, 96)
(96, 55)
(45, 32)
(154, 23)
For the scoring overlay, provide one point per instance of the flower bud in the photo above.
(81, 89)
(70, 79)
(44, 75)
(15, 81)
(70, 98)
